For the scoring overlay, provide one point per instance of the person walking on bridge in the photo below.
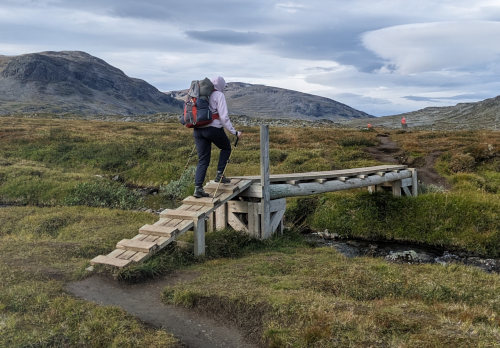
(214, 133)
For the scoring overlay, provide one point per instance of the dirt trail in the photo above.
(388, 151)
(143, 301)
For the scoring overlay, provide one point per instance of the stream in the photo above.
(401, 252)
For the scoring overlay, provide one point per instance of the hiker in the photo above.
(213, 132)
(403, 123)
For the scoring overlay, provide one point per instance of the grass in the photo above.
(455, 220)
(41, 249)
(281, 292)
(316, 297)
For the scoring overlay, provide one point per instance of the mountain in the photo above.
(273, 102)
(479, 115)
(75, 82)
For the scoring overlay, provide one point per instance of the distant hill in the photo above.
(75, 82)
(480, 115)
(273, 102)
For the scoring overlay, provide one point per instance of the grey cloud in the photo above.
(468, 96)
(228, 37)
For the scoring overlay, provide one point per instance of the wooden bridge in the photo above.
(253, 204)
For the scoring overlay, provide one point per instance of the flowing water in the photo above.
(400, 252)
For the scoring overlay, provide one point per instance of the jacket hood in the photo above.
(219, 83)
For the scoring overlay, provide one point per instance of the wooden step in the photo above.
(111, 261)
(136, 245)
(181, 214)
(158, 230)
(209, 201)
(222, 187)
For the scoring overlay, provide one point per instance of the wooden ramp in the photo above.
(172, 223)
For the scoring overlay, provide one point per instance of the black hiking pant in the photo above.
(203, 138)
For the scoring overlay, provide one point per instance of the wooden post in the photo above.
(199, 236)
(414, 182)
(265, 182)
(396, 188)
(221, 217)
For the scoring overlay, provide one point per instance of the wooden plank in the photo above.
(222, 187)
(151, 239)
(162, 221)
(221, 217)
(164, 241)
(158, 230)
(253, 191)
(127, 254)
(181, 214)
(140, 256)
(199, 237)
(309, 188)
(210, 201)
(276, 219)
(406, 191)
(396, 188)
(136, 245)
(236, 223)
(414, 184)
(327, 174)
(211, 222)
(406, 182)
(274, 205)
(265, 183)
(115, 253)
(237, 207)
(253, 219)
(111, 261)
(140, 236)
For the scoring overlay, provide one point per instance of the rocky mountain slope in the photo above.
(75, 82)
(480, 115)
(273, 102)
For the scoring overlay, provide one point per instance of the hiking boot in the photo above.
(221, 178)
(199, 192)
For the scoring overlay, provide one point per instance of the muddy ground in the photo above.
(387, 151)
(144, 302)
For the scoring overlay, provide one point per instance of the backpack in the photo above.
(196, 110)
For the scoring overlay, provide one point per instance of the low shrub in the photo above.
(103, 194)
(178, 189)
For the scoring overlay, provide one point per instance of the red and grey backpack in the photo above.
(196, 110)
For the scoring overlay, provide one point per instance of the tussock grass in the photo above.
(280, 291)
(43, 248)
(465, 221)
(317, 297)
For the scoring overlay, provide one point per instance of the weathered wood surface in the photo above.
(309, 188)
(172, 223)
(136, 245)
(326, 174)
(265, 182)
(110, 261)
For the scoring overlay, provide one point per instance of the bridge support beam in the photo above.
(309, 188)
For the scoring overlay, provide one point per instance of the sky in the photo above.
(382, 57)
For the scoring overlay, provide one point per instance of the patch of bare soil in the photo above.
(388, 151)
(144, 301)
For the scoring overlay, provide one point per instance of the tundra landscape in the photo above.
(95, 165)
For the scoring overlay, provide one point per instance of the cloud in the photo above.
(224, 36)
(423, 47)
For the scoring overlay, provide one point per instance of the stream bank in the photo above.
(401, 252)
